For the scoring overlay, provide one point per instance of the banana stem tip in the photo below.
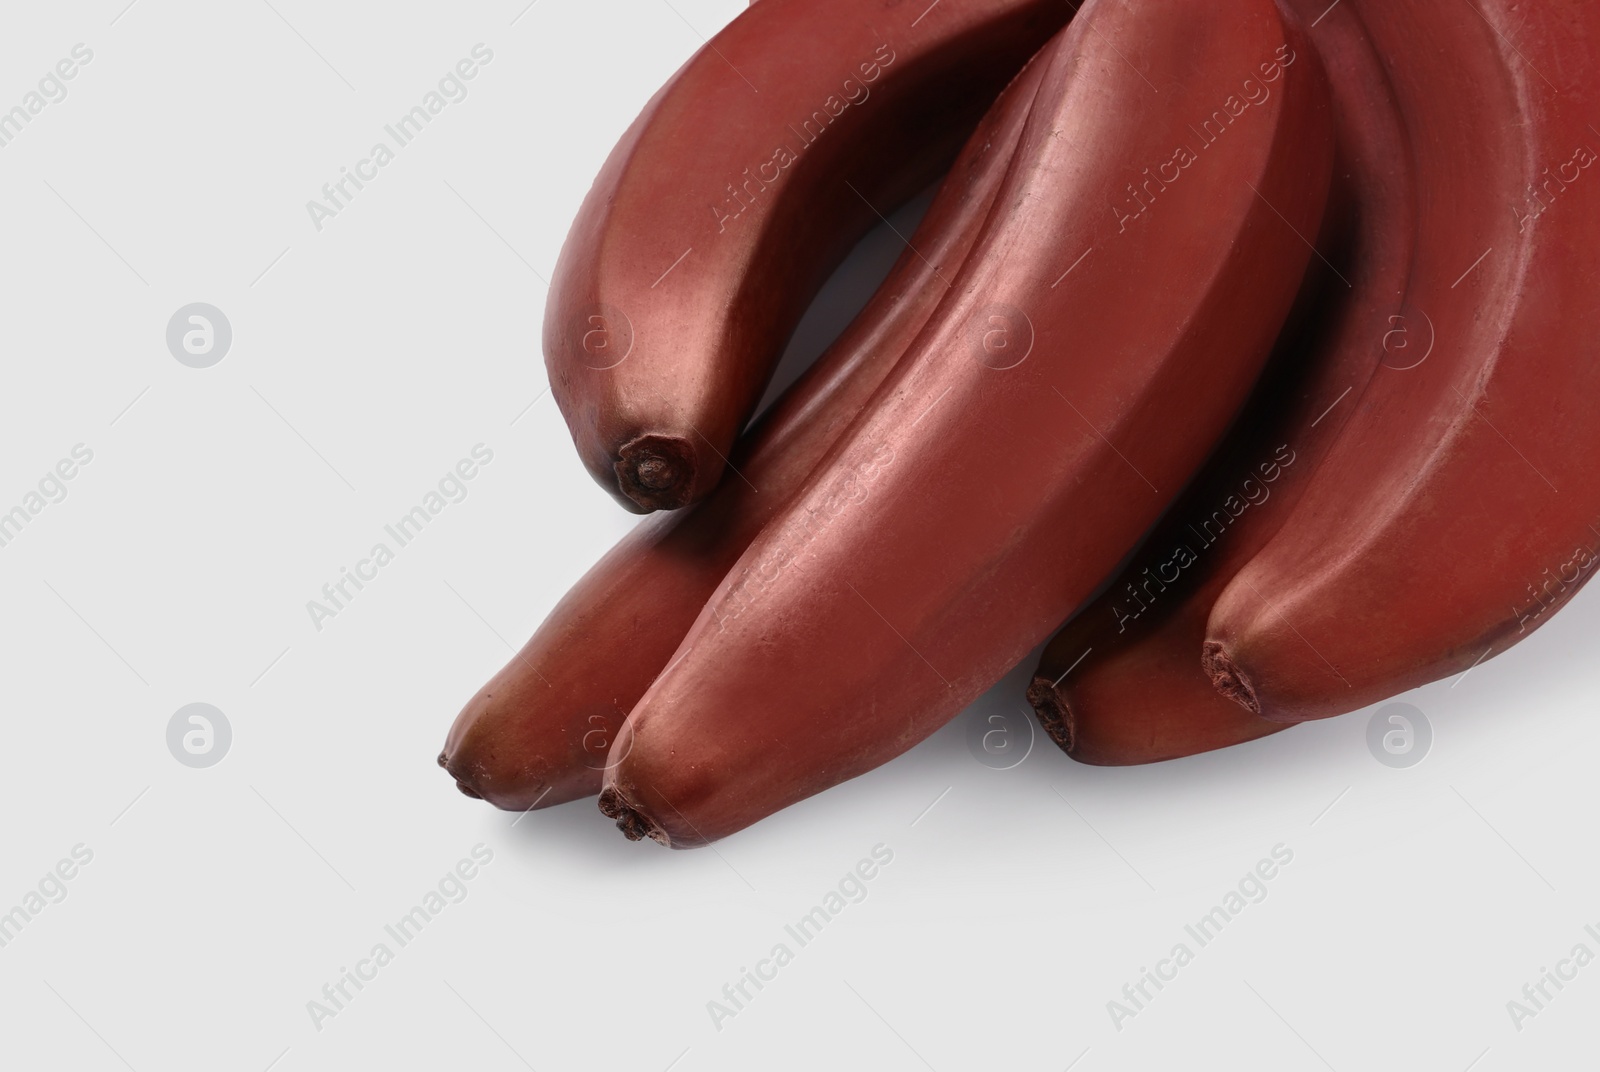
(632, 822)
(1055, 714)
(1227, 678)
(656, 472)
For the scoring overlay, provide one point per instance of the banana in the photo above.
(1110, 321)
(1457, 510)
(729, 200)
(1119, 683)
(538, 734)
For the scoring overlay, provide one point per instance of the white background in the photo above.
(370, 357)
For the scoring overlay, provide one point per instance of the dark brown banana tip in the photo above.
(1055, 715)
(1227, 678)
(656, 472)
(466, 790)
(632, 823)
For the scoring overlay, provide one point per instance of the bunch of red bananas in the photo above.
(1246, 339)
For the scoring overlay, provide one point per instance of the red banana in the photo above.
(1107, 325)
(724, 207)
(539, 732)
(1457, 509)
(1120, 683)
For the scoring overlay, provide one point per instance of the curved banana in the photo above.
(1460, 506)
(1107, 326)
(1119, 684)
(733, 195)
(538, 734)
